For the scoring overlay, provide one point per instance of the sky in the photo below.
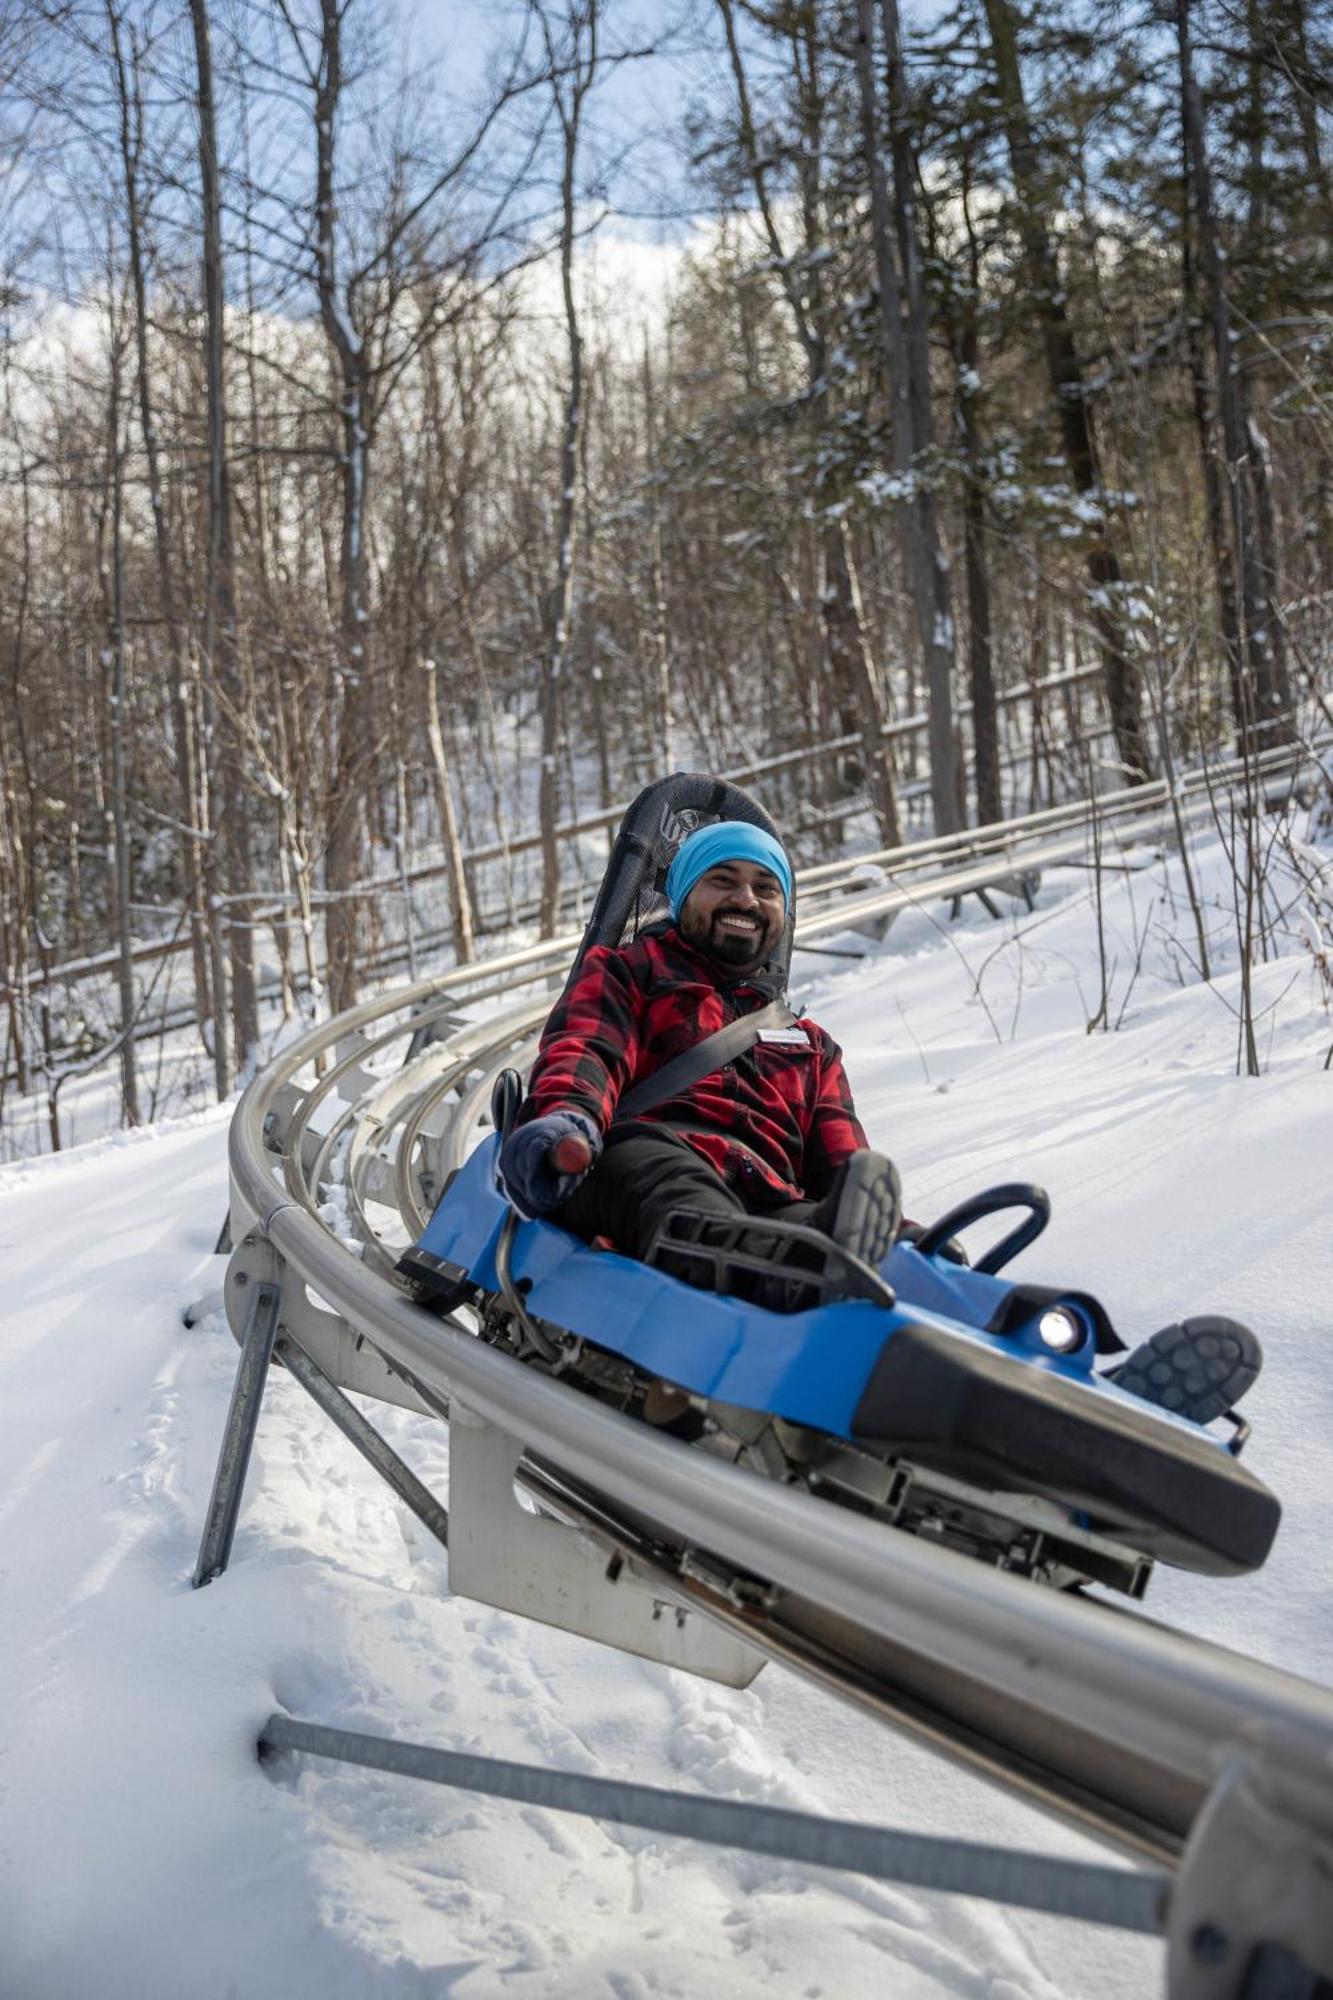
(637, 113)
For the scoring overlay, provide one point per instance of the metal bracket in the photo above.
(545, 1569)
(345, 1356)
(261, 1287)
(1251, 1913)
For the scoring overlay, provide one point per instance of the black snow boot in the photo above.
(1199, 1369)
(863, 1209)
(786, 1265)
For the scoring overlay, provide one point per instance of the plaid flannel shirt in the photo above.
(779, 1118)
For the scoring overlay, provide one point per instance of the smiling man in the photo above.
(768, 1132)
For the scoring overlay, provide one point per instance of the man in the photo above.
(771, 1134)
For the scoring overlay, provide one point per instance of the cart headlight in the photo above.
(1060, 1330)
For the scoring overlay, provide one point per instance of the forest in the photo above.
(967, 445)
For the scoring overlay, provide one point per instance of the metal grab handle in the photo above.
(506, 1096)
(1013, 1194)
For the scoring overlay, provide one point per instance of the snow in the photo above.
(145, 1851)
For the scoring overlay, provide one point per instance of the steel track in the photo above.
(1097, 1714)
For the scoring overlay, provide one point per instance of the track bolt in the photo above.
(1209, 1944)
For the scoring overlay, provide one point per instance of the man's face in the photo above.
(735, 913)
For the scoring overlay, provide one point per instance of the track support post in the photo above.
(275, 1320)
(1251, 1914)
(238, 1438)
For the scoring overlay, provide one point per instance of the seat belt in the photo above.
(714, 1052)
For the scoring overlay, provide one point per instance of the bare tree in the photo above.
(1262, 703)
(114, 658)
(572, 60)
(127, 82)
(1069, 387)
(847, 652)
(424, 233)
(229, 793)
(905, 338)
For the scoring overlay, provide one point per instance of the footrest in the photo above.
(800, 1267)
(1168, 1491)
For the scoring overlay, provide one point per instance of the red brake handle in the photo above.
(572, 1154)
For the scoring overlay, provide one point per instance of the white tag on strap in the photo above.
(786, 1038)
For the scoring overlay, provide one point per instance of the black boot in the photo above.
(864, 1207)
(1198, 1369)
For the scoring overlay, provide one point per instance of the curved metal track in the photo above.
(1097, 1714)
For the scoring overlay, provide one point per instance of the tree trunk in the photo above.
(130, 100)
(559, 598)
(230, 793)
(1275, 677)
(352, 756)
(844, 632)
(980, 661)
(660, 641)
(1260, 715)
(932, 596)
(1214, 501)
(851, 675)
(459, 900)
(118, 830)
(980, 664)
(1124, 693)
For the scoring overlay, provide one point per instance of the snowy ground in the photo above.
(144, 1853)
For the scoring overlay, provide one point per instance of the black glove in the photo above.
(534, 1179)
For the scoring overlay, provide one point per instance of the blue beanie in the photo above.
(725, 840)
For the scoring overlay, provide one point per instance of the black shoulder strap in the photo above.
(712, 1053)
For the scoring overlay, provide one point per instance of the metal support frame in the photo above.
(345, 1356)
(239, 1435)
(1122, 1897)
(256, 1274)
(501, 1554)
(1249, 1916)
(1252, 1912)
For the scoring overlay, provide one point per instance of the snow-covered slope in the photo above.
(143, 1852)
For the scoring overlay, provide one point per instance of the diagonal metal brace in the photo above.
(1122, 1897)
(340, 1410)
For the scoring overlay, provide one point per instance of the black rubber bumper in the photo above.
(999, 1422)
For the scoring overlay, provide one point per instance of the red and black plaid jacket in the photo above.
(778, 1112)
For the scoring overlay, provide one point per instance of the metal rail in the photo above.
(1099, 1715)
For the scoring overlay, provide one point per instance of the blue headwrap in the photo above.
(725, 840)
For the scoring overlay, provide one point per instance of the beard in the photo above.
(738, 951)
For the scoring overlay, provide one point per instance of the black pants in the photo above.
(646, 1171)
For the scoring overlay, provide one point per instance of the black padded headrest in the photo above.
(632, 895)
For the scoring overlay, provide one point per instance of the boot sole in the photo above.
(1198, 1369)
(870, 1207)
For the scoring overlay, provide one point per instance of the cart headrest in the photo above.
(632, 896)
